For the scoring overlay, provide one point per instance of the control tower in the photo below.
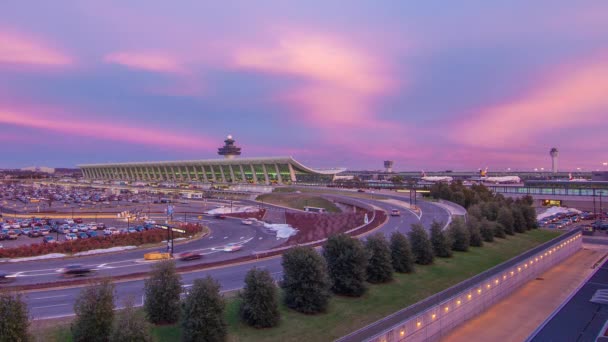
(229, 150)
(554, 154)
(388, 166)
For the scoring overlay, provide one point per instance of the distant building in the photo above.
(599, 176)
(229, 150)
(42, 169)
(388, 166)
(554, 153)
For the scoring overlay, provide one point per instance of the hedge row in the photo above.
(101, 242)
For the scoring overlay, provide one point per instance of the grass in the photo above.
(368, 194)
(348, 314)
(299, 201)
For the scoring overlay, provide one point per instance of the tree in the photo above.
(473, 225)
(460, 235)
(486, 229)
(475, 211)
(530, 216)
(305, 280)
(162, 293)
(380, 265)
(421, 245)
(440, 241)
(401, 253)
(505, 218)
(519, 221)
(14, 321)
(203, 312)
(131, 325)
(94, 309)
(458, 197)
(499, 230)
(347, 264)
(259, 300)
(490, 210)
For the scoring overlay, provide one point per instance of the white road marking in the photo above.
(49, 297)
(242, 237)
(48, 306)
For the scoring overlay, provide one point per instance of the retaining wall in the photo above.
(437, 315)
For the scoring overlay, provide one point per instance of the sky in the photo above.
(430, 85)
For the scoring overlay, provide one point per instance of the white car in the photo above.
(83, 228)
(69, 221)
(71, 236)
(247, 222)
(233, 247)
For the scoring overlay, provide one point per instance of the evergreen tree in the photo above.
(305, 280)
(487, 230)
(131, 325)
(505, 218)
(499, 230)
(475, 211)
(529, 215)
(473, 226)
(421, 245)
(94, 309)
(380, 265)
(519, 221)
(347, 264)
(14, 320)
(162, 293)
(401, 253)
(440, 241)
(490, 210)
(460, 235)
(259, 300)
(203, 312)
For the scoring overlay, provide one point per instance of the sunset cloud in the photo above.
(155, 62)
(572, 96)
(104, 130)
(20, 49)
(340, 80)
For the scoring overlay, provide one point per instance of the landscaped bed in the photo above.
(348, 314)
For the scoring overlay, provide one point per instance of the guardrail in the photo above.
(434, 317)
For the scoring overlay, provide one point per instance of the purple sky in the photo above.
(428, 85)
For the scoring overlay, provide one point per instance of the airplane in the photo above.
(435, 179)
(483, 176)
(572, 179)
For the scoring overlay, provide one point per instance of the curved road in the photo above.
(59, 302)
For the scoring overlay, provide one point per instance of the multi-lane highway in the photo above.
(59, 302)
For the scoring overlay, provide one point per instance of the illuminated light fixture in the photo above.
(478, 291)
(519, 269)
(402, 333)
(536, 259)
(469, 296)
(447, 309)
(525, 265)
(496, 281)
(458, 302)
(512, 273)
(433, 316)
(541, 257)
(418, 324)
(531, 262)
(488, 286)
(504, 277)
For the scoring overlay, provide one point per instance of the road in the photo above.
(59, 302)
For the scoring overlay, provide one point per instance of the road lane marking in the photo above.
(48, 306)
(49, 297)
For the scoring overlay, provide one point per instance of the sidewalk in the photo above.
(518, 315)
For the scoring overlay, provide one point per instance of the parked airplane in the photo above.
(483, 176)
(435, 179)
(572, 179)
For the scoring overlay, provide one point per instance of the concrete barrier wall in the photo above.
(438, 320)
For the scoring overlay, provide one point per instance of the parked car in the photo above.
(71, 237)
(83, 235)
(131, 230)
(140, 228)
(48, 239)
(187, 256)
(34, 233)
(92, 233)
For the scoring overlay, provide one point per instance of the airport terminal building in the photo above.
(230, 170)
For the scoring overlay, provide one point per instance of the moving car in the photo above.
(157, 256)
(76, 270)
(395, 212)
(233, 247)
(187, 256)
(247, 222)
(5, 277)
(220, 216)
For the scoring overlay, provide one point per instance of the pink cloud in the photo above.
(342, 80)
(113, 131)
(573, 96)
(148, 61)
(21, 49)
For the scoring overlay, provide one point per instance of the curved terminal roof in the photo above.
(265, 160)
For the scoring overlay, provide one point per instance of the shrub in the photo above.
(131, 325)
(14, 321)
(259, 300)
(401, 253)
(473, 225)
(440, 241)
(380, 265)
(486, 229)
(519, 221)
(505, 218)
(421, 245)
(499, 230)
(94, 309)
(162, 293)
(346, 264)
(460, 235)
(203, 312)
(305, 280)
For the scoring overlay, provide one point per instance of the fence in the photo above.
(437, 315)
